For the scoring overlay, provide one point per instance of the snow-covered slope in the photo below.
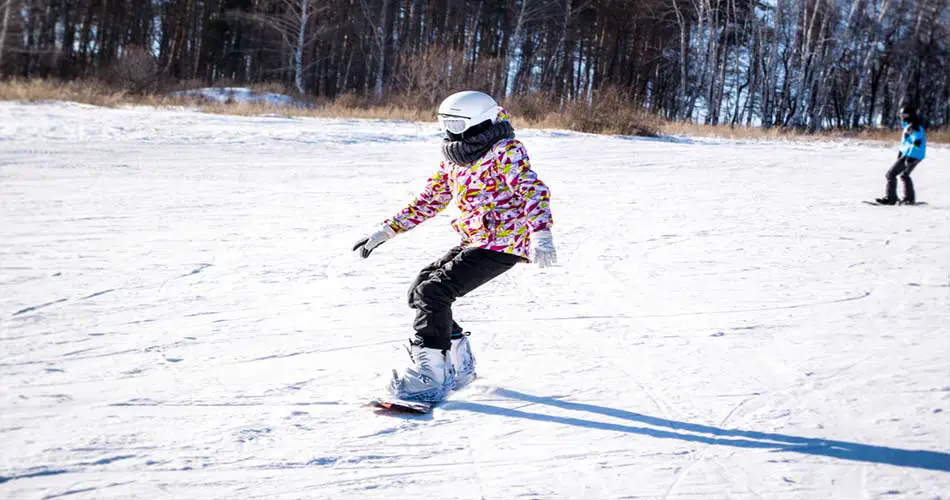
(181, 316)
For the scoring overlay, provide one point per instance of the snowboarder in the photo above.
(913, 149)
(505, 219)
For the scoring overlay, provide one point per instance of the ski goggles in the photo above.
(453, 124)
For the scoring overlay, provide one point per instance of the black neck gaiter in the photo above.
(468, 150)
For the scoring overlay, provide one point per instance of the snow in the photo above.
(181, 316)
(239, 95)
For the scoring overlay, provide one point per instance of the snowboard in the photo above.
(388, 403)
(872, 202)
(397, 405)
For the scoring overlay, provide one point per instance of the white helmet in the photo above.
(463, 110)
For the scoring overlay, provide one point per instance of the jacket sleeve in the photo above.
(516, 170)
(433, 199)
(918, 136)
(913, 138)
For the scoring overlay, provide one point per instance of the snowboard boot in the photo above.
(462, 359)
(905, 201)
(886, 201)
(429, 378)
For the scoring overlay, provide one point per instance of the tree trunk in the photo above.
(680, 100)
(515, 44)
(298, 52)
(4, 23)
(381, 37)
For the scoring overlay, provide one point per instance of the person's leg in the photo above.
(433, 297)
(429, 269)
(891, 176)
(909, 196)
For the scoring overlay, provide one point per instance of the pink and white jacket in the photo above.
(501, 200)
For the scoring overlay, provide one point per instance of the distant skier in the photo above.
(505, 219)
(913, 149)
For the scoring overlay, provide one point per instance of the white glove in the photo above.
(367, 244)
(542, 249)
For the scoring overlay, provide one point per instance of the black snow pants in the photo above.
(903, 167)
(453, 275)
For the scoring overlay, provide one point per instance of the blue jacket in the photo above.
(914, 142)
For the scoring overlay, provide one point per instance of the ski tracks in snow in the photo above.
(595, 285)
(700, 456)
(218, 339)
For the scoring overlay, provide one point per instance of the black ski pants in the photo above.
(903, 167)
(453, 275)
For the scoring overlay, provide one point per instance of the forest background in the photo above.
(639, 67)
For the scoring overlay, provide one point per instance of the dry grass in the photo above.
(941, 136)
(86, 92)
(610, 114)
(747, 133)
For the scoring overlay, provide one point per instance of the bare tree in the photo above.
(4, 23)
(290, 20)
(680, 99)
(378, 22)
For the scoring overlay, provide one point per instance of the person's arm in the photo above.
(906, 142)
(913, 137)
(918, 135)
(516, 170)
(433, 199)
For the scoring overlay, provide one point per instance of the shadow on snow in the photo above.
(710, 435)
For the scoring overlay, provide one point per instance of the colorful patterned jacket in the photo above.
(501, 200)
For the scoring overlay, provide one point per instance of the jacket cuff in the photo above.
(391, 227)
(542, 234)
